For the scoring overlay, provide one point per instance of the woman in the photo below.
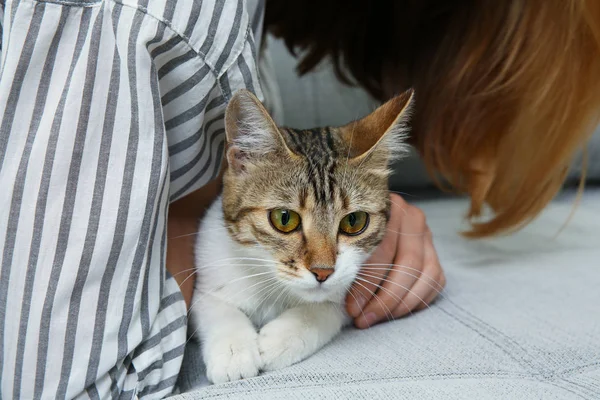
(495, 80)
(113, 109)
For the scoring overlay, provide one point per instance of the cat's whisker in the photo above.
(226, 262)
(390, 265)
(404, 194)
(229, 282)
(200, 273)
(198, 232)
(249, 266)
(205, 272)
(357, 302)
(206, 294)
(245, 258)
(402, 208)
(298, 301)
(271, 282)
(286, 299)
(183, 272)
(422, 277)
(348, 155)
(285, 290)
(387, 310)
(371, 266)
(182, 236)
(380, 287)
(212, 291)
(275, 301)
(217, 263)
(245, 265)
(263, 300)
(406, 233)
(439, 293)
(237, 259)
(270, 289)
(211, 266)
(408, 290)
(225, 265)
(185, 280)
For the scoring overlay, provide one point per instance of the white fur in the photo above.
(256, 133)
(396, 137)
(264, 322)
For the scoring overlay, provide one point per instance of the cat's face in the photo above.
(315, 203)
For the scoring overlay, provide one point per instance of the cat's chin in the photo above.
(319, 294)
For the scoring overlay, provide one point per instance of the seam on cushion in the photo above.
(591, 387)
(577, 370)
(417, 378)
(573, 386)
(522, 362)
(511, 342)
(576, 391)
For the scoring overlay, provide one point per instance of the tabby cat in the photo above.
(299, 213)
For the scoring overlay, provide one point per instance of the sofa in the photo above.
(519, 318)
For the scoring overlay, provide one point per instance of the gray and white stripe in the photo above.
(110, 110)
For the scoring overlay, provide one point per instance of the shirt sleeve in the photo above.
(195, 97)
(109, 110)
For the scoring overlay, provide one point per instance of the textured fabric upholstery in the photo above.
(520, 319)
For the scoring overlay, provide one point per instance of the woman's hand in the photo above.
(403, 274)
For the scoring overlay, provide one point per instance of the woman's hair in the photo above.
(507, 91)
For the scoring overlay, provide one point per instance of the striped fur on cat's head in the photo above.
(315, 201)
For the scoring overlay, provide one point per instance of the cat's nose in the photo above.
(321, 274)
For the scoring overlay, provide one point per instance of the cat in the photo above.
(299, 213)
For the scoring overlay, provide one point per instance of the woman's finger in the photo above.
(428, 287)
(405, 272)
(438, 281)
(437, 286)
(362, 290)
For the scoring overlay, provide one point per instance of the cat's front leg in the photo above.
(298, 333)
(229, 340)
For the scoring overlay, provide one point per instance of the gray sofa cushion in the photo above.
(519, 319)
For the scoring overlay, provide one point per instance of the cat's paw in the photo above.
(232, 357)
(281, 344)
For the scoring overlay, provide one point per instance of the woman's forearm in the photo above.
(184, 215)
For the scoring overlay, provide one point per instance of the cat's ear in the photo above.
(382, 132)
(251, 132)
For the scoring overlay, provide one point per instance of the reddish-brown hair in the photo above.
(506, 91)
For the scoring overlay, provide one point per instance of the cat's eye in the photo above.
(354, 223)
(284, 221)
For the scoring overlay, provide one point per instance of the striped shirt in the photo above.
(109, 110)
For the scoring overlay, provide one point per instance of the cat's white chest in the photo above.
(262, 311)
(245, 316)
